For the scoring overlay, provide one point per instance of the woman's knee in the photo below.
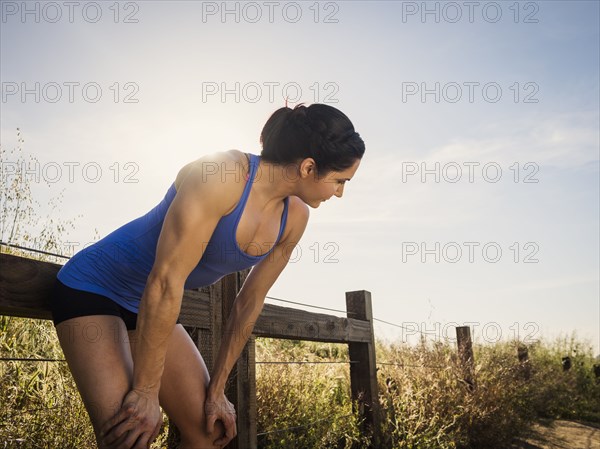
(100, 362)
(197, 436)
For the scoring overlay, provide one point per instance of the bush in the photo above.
(40, 404)
(558, 394)
(427, 403)
(311, 401)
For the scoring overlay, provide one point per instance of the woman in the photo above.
(116, 302)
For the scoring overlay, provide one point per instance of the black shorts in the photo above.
(67, 302)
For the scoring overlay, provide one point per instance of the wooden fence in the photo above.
(25, 285)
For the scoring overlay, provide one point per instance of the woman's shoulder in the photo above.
(215, 167)
(213, 179)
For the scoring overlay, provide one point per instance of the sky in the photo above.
(476, 202)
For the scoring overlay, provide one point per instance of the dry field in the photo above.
(562, 435)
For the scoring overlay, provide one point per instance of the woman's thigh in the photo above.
(183, 389)
(97, 350)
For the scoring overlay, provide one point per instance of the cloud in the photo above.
(551, 283)
(566, 140)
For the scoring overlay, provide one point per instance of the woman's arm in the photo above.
(247, 307)
(190, 221)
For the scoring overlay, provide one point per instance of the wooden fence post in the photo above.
(525, 365)
(241, 387)
(465, 353)
(363, 368)
(208, 346)
(566, 363)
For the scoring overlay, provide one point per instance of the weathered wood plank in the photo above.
(284, 322)
(196, 310)
(25, 286)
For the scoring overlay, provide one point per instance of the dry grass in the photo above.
(428, 405)
(425, 401)
(41, 407)
(313, 399)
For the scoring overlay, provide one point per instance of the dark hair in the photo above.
(319, 131)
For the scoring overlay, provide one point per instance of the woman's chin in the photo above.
(315, 203)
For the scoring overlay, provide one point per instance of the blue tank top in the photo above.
(117, 266)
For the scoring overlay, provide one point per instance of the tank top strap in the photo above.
(253, 162)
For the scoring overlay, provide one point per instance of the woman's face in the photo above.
(318, 190)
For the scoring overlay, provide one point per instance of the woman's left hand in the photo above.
(218, 407)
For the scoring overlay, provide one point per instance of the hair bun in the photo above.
(299, 112)
(298, 118)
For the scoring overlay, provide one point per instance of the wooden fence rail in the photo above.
(25, 286)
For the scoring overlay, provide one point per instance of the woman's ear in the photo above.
(308, 165)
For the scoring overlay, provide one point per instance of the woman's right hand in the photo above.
(136, 425)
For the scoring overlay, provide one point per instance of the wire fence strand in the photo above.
(26, 359)
(306, 305)
(409, 365)
(304, 362)
(396, 325)
(34, 250)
